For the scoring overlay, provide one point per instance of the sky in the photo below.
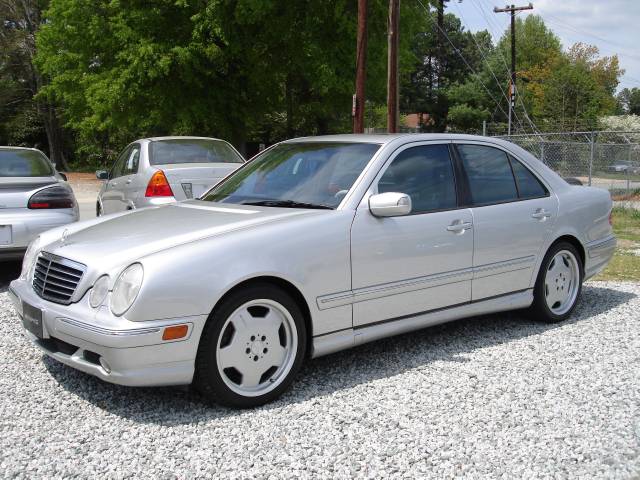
(611, 25)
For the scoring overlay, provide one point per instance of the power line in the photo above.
(492, 72)
(490, 24)
(512, 86)
(462, 57)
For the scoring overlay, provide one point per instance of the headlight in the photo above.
(30, 258)
(126, 289)
(99, 291)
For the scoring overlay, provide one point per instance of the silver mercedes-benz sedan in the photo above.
(314, 246)
(156, 171)
(33, 198)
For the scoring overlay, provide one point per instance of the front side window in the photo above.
(24, 163)
(191, 150)
(425, 173)
(489, 174)
(528, 185)
(311, 175)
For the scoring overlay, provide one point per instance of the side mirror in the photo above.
(102, 175)
(390, 204)
(64, 176)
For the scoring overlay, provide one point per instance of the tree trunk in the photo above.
(54, 135)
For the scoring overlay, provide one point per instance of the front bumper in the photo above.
(109, 347)
(27, 224)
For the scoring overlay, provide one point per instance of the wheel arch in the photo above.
(283, 284)
(575, 242)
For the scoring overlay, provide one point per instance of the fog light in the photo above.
(105, 366)
(175, 332)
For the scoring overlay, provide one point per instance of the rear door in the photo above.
(129, 186)
(513, 214)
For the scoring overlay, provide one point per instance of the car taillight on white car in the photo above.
(58, 196)
(158, 186)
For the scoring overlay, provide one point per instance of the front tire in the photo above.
(251, 348)
(558, 285)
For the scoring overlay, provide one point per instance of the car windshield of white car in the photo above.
(24, 163)
(296, 175)
(191, 150)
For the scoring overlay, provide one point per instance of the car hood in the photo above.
(129, 237)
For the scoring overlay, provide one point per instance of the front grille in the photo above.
(56, 278)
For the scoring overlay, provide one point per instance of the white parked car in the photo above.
(156, 171)
(314, 246)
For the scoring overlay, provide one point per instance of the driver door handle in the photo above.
(459, 226)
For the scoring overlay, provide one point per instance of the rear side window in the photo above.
(489, 174)
(133, 158)
(24, 163)
(425, 173)
(528, 185)
(176, 151)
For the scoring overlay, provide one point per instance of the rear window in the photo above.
(166, 152)
(24, 163)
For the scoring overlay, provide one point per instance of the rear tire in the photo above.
(98, 209)
(251, 348)
(558, 285)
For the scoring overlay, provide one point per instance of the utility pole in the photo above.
(392, 66)
(361, 69)
(512, 83)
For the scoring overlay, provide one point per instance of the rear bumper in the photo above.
(112, 348)
(599, 254)
(27, 224)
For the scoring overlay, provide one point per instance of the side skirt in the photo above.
(351, 337)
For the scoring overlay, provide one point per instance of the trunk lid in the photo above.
(190, 180)
(15, 192)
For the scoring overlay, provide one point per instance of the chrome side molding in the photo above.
(343, 339)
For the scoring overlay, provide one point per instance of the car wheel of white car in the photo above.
(98, 210)
(559, 284)
(251, 348)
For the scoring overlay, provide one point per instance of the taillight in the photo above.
(158, 186)
(52, 197)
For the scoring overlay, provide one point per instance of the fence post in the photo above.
(629, 168)
(593, 144)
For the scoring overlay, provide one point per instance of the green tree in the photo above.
(629, 100)
(26, 118)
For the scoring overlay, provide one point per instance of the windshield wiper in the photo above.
(287, 204)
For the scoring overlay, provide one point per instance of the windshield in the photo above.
(304, 175)
(194, 150)
(24, 163)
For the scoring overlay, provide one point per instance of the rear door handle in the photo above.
(541, 214)
(459, 226)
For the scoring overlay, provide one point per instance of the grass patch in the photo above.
(625, 264)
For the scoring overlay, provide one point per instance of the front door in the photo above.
(419, 262)
(513, 215)
(112, 194)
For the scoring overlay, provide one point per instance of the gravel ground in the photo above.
(496, 396)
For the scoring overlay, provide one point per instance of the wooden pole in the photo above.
(361, 68)
(392, 66)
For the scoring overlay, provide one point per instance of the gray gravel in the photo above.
(496, 396)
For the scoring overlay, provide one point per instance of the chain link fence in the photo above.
(605, 159)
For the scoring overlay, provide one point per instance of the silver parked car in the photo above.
(156, 171)
(33, 198)
(314, 246)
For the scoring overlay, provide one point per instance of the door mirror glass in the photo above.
(390, 204)
(102, 175)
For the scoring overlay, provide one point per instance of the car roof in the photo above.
(383, 138)
(177, 137)
(2, 147)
